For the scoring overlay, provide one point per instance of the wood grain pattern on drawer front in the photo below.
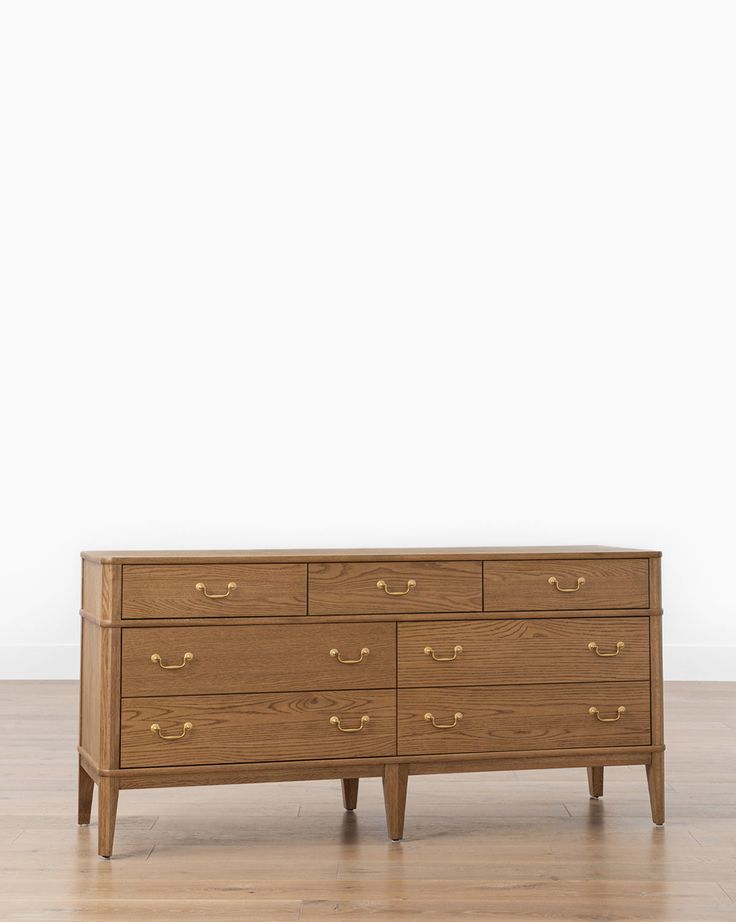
(259, 657)
(523, 717)
(215, 729)
(564, 585)
(224, 589)
(537, 650)
(392, 588)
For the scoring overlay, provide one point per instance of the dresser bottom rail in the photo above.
(394, 771)
(325, 769)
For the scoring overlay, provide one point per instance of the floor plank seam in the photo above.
(731, 898)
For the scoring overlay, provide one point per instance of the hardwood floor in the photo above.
(501, 846)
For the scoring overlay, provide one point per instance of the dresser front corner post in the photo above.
(655, 780)
(107, 810)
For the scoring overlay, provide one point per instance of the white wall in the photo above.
(392, 273)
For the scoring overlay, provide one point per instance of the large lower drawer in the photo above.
(214, 729)
(259, 657)
(394, 588)
(214, 590)
(565, 585)
(514, 718)
(500, 652)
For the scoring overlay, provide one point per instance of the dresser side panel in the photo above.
(92, 579)
(90, 684)
(655, 649)
(101, 589)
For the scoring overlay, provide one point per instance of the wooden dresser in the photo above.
(223, 667)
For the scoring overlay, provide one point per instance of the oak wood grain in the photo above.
(258, 658)
(519, 717)
(101, 590)
(243, 728)
(525, 585)
(352, 588)
(92, 588)
(170, 591)
(499, 652)
(90, 696)
(109, 702)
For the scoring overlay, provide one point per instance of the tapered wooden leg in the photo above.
(84, 801)
(394, 798)
(655, 779)
(350, 793)
(595, 781)
(107, 810)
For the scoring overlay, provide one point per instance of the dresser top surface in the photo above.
(319, 555)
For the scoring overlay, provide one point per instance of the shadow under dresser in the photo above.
(226, 667)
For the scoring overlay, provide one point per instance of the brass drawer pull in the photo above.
(443, 659)
(349, 662)
(594, 712)
(411, 584)
(156, 658)
(335, 721)
(553, 582)
(594, 646)
(200, 587)
(176, 736)
(430, 717)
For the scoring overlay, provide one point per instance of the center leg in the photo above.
(350, 793)
(394, 797)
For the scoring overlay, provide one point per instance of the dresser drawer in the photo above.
(214, 729)
(565, 585)
(520, 651)
(515, 718)
(259, 657)
(392, 588)
(214, 590)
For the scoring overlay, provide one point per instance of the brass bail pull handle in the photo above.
(335, 721)
(594, 646)
(201, 587)
(428, 651)
(155, 728)
(553, 582)
(334, 652)
(430, 717)
(594, 712)
(410, 584)
(156, 658)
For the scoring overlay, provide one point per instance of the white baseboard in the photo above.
(39, 661)
(686, 662)
(682, 662)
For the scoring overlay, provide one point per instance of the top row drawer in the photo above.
(216, 590)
